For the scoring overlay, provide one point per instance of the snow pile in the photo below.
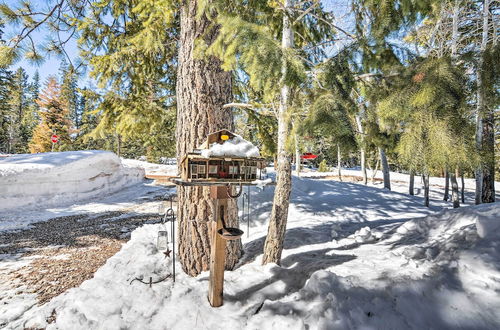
(235, 147)
(57, 178)
(114, 299)
(152, 169)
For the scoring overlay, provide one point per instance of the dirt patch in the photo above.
(68, 250)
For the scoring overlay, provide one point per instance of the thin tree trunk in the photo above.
(363, 166)
(374, 171)
(425, 177)
(339, 161)
(362, 150)
(454, 34)
(202, 89)
(463, 187)
(297, 156)
(454, 189)
(385, 169)
(481, 109)
(488, 122)
(279, 214)
(446, 185)
(412, 183)
(118, 145)
(454, 44)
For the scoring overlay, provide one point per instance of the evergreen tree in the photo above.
(54, 120)
(266, 44)
(5, 81)
(428, 105)
(69, 94)
(21, 124)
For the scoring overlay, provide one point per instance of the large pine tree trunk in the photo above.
(385, 169)
(279, 214)
(202, 89)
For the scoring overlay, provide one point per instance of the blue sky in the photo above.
(52, 63)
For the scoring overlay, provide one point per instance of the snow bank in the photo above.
(151, 168)
(331, 297)
(235, 147)
(57, 178)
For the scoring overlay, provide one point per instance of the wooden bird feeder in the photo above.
(200, 166)
(220, 162)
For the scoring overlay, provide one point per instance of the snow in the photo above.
(262, 183)
(151, 168)
(235, 147)
(55, 178)
(355, 257)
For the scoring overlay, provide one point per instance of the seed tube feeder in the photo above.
(223, 160)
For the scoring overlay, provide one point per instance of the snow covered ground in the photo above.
(59, 178)
(355, 257)
(150, 168)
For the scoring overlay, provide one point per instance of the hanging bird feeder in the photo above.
(222, 161)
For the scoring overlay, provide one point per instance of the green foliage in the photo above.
(7, 55)
(69, 93)
(137, 73)
(323, 167)
(428, 106)
(22, 119)
(332, 106)
(254, 49)
(491, 76)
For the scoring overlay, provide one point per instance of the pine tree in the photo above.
(54, 120)
(21, 124)
(427, 104)
(69, 93)
(5, 81)
(267, 50)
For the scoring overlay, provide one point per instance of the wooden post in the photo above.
(218, 247)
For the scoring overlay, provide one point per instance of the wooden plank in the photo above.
(215, 182)
(217, 253)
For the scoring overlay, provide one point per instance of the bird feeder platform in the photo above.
(223, 160)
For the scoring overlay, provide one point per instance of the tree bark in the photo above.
(118, 145)
(374, 171)
(412, 183)
(488, 122)
(362, 150)
(481, 110)
(463, 187)
(279, 214)
(446, 185)
(202, 89)
(297, 156)
(425, 177)
(454, 189)
(385, 169)
(339, 159)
